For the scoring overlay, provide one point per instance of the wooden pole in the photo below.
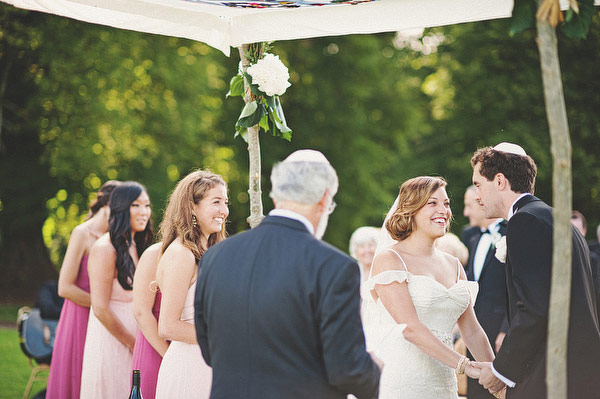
(254, 190)
(560, 291)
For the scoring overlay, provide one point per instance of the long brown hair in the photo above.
(102, 197)
(177, 220)
(413, 196)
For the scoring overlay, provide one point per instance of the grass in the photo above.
(14, 368)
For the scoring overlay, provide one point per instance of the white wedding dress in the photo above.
(409, 373)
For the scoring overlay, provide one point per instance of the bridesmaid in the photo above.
(149, 346)
(194, 220)
(112, 327)
(74, 285)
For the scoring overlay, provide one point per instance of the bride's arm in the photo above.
(473, 334)
(397, 301)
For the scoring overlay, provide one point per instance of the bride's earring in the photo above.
(194, 221)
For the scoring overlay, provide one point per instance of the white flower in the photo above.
(501, 250)
(270, 75)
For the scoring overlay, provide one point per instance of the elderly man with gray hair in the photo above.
(277, 309)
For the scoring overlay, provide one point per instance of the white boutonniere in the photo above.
(501, 250)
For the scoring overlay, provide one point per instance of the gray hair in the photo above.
(598, 232)
(363, 235)
(304, 182)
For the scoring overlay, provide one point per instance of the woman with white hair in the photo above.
(363, 243)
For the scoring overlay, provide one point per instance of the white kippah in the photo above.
(306, 156)
(511, 148)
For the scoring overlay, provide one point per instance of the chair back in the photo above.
(36, 335)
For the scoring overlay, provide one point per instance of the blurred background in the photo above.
(81, 104)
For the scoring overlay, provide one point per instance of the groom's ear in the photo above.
(500, 182)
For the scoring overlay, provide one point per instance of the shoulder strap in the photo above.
(458, 266)
(398, 255)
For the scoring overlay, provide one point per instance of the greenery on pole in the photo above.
(267, 79)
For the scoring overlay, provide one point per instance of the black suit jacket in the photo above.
(490, 306)
(277, 316)
(522, 357)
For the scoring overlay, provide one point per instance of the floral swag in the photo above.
(267, 79)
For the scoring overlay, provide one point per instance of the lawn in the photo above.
(14, 368)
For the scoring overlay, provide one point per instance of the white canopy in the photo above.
(223, 24)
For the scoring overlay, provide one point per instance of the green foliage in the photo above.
(103, 104)
(576, 23)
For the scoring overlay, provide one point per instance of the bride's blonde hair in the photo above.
(414, 194)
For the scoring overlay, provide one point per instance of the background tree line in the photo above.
(80, 104)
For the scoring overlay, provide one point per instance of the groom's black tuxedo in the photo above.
(277, 316)
(490, 306)
(522, 357)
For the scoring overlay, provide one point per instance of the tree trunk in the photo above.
(560, 293)
(254, 190)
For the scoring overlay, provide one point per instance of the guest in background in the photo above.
(489, 272)
(112, 327)
(595, 244)
(64, 380)
(194, 220)
(362, 248)
(451, 244)
(580, 223)
(149, 346)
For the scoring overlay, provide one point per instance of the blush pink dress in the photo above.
(183, 373)
(146, 359)
(106, 371)
(64, 381)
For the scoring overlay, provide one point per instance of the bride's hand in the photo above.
(473, 370)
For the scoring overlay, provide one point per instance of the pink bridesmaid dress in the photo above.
(183, 372)
(64, 381)
(106, 370)
(146, 359)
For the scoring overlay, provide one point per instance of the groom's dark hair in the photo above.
(519, 170)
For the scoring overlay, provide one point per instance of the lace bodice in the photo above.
(409, 372)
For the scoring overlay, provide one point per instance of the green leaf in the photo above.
(251, 115)
(576, 26)
(253, 87)
(236, 86)
(523, 16)
(243, 132)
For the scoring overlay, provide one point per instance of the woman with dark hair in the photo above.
(112, 327)
(194, 220)
(415, 295)
(74, 285)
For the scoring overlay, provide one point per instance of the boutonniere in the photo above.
(501, 250)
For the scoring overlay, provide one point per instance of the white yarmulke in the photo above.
(306, 156)
(511, 148)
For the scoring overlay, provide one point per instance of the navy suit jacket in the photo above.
(277, 316)
(522, 357)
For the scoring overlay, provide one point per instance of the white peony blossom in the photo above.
(270, 74)
(501, 250)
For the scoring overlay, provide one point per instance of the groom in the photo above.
(277, 309)
(505, 177)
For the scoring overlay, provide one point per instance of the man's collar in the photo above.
(513, 209)
(285, 213)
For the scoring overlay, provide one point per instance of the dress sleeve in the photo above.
(383, 278)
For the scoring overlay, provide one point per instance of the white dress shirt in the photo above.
(483, 247)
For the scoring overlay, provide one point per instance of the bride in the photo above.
(415, 295)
